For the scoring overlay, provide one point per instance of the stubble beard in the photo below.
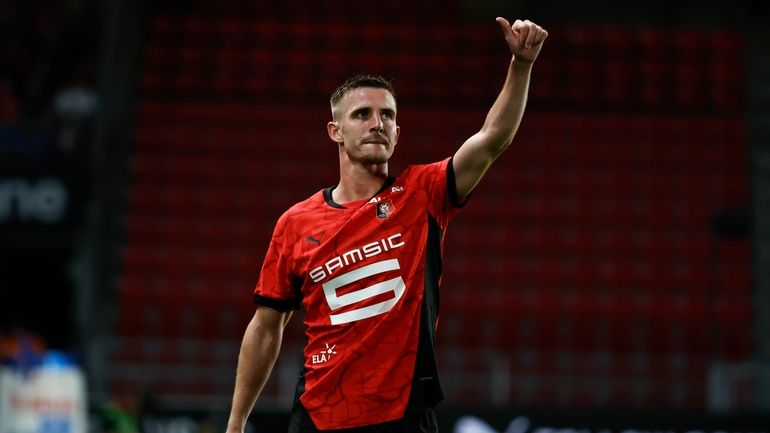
(374, 159)
(371, 158)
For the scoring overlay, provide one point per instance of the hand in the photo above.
(524, 38)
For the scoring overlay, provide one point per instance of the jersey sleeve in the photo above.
(443, 200)
(278, 287)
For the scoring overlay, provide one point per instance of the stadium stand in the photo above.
(586, 270)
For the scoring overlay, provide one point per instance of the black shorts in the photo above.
(423, 421)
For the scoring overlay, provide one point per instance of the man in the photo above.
(364, 260)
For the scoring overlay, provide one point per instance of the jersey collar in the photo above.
(330, 201)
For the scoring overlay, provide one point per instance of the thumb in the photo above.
(505, 26)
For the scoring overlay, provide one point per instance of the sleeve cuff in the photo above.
(277, 304)
(451, 185)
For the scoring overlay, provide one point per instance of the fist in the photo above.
(524, 38)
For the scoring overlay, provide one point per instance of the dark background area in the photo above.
(615, 257)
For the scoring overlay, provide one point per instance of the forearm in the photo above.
(259, 350)
(504, 117)
(475, 156)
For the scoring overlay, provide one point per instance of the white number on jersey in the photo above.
(396, 285)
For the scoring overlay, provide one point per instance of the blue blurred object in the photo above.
(27, 358)
(57, 359)
(42, 391)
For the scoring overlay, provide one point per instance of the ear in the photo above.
(398, 134)
(333, 129)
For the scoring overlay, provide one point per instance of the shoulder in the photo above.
(301, 211)
(424, 171)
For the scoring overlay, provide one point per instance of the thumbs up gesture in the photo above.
(524, 38)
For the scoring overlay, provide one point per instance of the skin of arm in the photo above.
(476, 155)
(259, 350)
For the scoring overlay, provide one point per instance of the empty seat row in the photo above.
(584, 42)
(281, 62)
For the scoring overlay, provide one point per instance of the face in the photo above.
(365, 125)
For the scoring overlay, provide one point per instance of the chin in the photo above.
(371, 158)
(374, 160)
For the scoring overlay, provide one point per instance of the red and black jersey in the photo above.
(367, 274)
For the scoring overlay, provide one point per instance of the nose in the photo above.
(377, 124)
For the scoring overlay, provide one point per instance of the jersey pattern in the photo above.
(361, 272)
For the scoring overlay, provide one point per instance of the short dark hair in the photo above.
(361, 80)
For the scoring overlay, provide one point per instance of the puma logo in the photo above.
(312, 239)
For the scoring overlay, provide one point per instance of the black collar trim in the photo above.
(330, 201)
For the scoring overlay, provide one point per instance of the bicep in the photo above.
(470, 163)
(270, 320)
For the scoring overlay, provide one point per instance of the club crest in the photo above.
(384, 209)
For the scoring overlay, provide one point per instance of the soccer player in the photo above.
(363, 258)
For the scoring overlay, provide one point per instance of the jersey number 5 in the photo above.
(396, 285)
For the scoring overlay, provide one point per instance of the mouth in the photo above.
(376, 141)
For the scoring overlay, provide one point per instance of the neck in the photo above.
(359, 181)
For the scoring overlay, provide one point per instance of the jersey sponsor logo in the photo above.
(384, 209)
(397, 189)
(324, 355)
(335, 301)
(356, 255)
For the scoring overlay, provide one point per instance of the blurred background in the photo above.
(611, 272)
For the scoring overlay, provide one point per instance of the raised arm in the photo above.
(473, 158)
(259, 350)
